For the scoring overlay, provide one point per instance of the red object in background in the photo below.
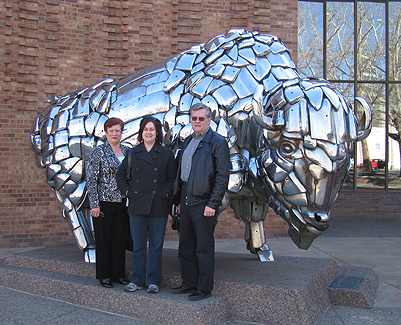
(376, 164)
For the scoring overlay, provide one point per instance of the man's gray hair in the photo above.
(200, 106)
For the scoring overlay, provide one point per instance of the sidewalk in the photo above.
(373, 244)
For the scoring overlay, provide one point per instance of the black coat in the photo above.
(210, 171)
(152, 179)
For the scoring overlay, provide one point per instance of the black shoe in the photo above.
(181, 289)
(199, 295)
(106, 284)
(122, 281)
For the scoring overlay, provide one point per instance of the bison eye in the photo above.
(288, 148)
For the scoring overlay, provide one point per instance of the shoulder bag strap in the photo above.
(129, 156)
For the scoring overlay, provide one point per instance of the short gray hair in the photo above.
(198, 106)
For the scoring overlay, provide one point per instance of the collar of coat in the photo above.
(207, 138)
(141, 152)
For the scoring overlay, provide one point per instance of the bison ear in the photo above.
(364, 120)
(263, 121)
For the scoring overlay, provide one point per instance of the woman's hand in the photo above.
(95, 213)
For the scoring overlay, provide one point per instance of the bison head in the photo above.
(309, 134)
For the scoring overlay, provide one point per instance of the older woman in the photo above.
(108, 207)
(153, 171)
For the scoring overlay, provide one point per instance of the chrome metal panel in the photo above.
(77, 172)
(248, 54)
(175, 78)
(200, 89)
(320, 158)
(224, 59)
(76, 127)
(60, 179)
(213, 57)
(320, 123)
(261, 69)
(90, 123)
(246, 43)
(233, 53)
(242, 105)
(292, 186)
(74, 146)
(271, 84)
(297, 199)
(61, 153)
(52, 170)
(315, 97)
(332, 96)
(223, 128)
(215, 70)
(99, 129)
(154, 88)
(236, 182)
(245, 84)
(82, 108)
(293, 94)
(277, 47)
(87, 145)
(261, 49)
(61, 138)
(185, 103)
(215, 84)
(225, 97)
(80, 238)
(60, 122)
(230, 74)
(176, 94)
(69, 163)
(241, 62)
(214, 107)
(97, 97)
(78, 195)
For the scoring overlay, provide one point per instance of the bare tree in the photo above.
(347, 60)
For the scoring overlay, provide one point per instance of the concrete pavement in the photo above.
(367, 243)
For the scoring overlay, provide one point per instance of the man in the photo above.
(202, 179)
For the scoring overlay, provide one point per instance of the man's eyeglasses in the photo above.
(201, 119)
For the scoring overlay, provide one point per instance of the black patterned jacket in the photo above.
(101, 175)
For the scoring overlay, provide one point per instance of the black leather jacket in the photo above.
(210, 171)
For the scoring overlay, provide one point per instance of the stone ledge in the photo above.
(290, 290)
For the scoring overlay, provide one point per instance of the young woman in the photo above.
(153, 171)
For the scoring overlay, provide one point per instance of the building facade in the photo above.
(53, 47)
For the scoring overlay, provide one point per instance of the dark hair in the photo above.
(113, 121)
(200, 106)
(158, 127)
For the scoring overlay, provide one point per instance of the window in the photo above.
(356, 45)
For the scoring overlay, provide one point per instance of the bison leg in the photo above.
(82, 228)
(253, 215)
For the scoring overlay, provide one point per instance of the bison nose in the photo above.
(322, 217)
(317, 219)
(320, 220)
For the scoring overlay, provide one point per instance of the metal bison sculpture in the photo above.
(291, 138)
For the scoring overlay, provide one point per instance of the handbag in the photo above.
(175, 224)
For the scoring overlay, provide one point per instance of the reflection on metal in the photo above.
(290, 138)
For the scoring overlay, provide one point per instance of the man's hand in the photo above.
(209, 212)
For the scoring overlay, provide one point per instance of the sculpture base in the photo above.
(287, 291)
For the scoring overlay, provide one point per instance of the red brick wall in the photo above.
(365, 204)
(52, 47)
